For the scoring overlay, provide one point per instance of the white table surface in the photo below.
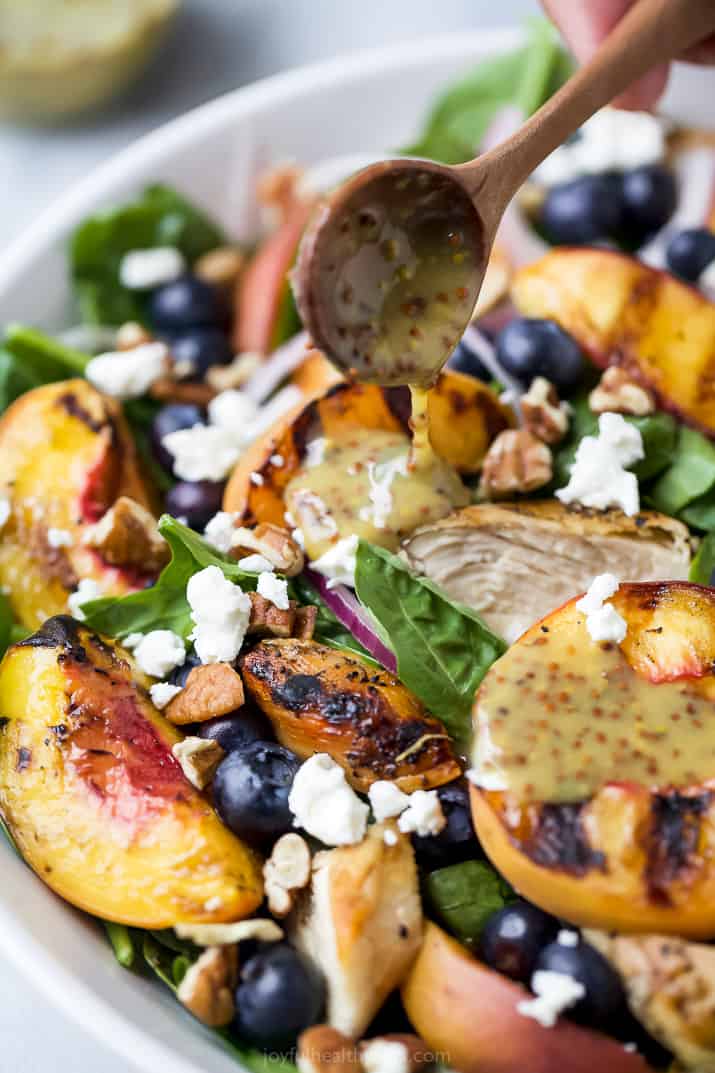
(217, 45)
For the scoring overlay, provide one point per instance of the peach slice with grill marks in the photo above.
(600, 807)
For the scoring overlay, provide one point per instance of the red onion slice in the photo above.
(347, 609)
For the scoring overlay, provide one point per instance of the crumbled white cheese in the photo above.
(132, 640)
(5, 510)
(385, 1056)
(338, 563)
(424, 815)
(220, 531)
(233, 411)
(59, 538)
(162, 692)
(611, 140)
(159, 652)
(277, 460)
(274, 589)
(128, 374)
(256, 478)
(387, 799)
(87, 590)
(256, 564)
(602, 620)
(325, 805)
(220, 612)
(140, 270)
(314, 452)
(598, 477)
(566, 937)
(555, 992)
(390, 838)
(202, 452)
(299, 538)
(707, 281)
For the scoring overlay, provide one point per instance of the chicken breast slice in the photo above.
(515, 562)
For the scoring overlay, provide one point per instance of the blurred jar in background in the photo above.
(59, 58)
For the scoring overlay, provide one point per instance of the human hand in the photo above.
(585, 23)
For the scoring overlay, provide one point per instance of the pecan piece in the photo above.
(267, 620)
(515, 462)
(199, 758)
(211, 689)
(616, 392)
(544, 415)
(220, 267)
(208, 987)
(169, 389)
(286, 871)
(127, 535)
(322, 1049)
(274, 544)
(305, 618)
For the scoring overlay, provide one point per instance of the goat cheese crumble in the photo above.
(159, 652)
(163, 692)
(87, 590)
(233, 411)
(128, 374)
(220, 531)
(554, 992)
(602, 620)
(140, 270)
(385, 1056)
(274, 589)
(387, 800)
(611, 140)
(220, 612)
(423, 816)
(202, 452)
(599, 478)
(339, 562)
(256, 564)
(325, 805)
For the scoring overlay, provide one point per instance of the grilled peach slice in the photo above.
(320, 699)
(66, 455)
(463, 1010)
(624, 313)
(92, 794)
(596, 763)
(464, 417)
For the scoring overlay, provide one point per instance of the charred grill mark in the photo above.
(559, 841)
(24, 757)
(54, 561)
(296, 691)
(71, 404)
(60, 631)
(399, 403)
(4, 721)
(673, 839)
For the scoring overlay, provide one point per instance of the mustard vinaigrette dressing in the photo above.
(557, 718)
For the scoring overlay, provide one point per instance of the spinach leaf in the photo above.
(164, 605)
(700, 514)
(39, 358)
(523, 78)
(158, 217)
(6, 624)
(122, 942)
(690, 475)
(703, 565)
(443, 649)
(465, 895)
(14, 380)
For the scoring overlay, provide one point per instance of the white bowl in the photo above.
(368, 102)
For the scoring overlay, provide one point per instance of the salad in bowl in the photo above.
(383, 749)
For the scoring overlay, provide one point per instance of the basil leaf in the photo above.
(122, 942)
(690, 475)
(465, 895)
(443, 649)
(158, 217)
(702, 567)
(164, 605)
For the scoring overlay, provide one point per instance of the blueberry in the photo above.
(168, 419)
(464, 360)
(179, 674)
(650, 196)
(514, 937)
(251, 788)
(604, 999)
(196, 501)
(690, 252)
(185, 303)
(201, 347)
(279, 995)
(457, 841)
(237, 729)
(583, 210)
(529, 347)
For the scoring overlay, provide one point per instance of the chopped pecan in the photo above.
(544, 416)
(322, 1049)
(235, 375)
(169, 389)
(274, 544)
(127, 535)
(287, 870)
(267, 620)
(398, 1050)
(618, 393)
(515, 462)
(132, 334)
(220, 267)
(211, 689)
(207, 988)
(199, 758)
(305, 617)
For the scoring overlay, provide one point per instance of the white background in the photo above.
(217, 45)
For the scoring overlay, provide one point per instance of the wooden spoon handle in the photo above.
(653, 31)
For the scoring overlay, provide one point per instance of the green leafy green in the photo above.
(31, 358)
(288, 322)
(122, 942)
(443, 649)
(524, 78)
(690, 475)
(6, 624)
(164, 605)
(465, 895)
(703, 565)
(158, 217)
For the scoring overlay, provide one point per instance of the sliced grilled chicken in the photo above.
(515, 562)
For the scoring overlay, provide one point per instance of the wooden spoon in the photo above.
(391, 265)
